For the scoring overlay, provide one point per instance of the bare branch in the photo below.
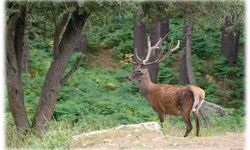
(58, 32)
(73, 69)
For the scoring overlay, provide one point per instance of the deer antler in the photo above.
(170, 51)
(156, 46)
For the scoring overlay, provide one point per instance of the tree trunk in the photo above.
(25, 53)
(164, 27)
(57, 34)
(19, 38)
(82, 44)
(14, 82)
(158, 30)
(53, 81)
(230, 41)
(140, 39)
(186, 71)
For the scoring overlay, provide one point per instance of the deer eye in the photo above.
(140, 71)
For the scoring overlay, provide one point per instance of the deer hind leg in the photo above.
(196, 117)
(186, 119)
(197, 123)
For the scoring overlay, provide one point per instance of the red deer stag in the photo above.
(167, 99)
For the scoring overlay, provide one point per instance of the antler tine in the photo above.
(155, 61)
(137, 57)
(150, 48)
(149, 51)
(133, 62)
(157, 44)
(170, 51)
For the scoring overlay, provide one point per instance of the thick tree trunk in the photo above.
(82, 44)
(164, 27)
(53, 81)
(230, 41)
(19, 38)
(140, 39)
(25, 54)
(158, 30)
(14, 82)
(186, 71)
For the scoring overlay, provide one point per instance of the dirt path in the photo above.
(141, 137)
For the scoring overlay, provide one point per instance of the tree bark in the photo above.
(25, 53)
(57, 34)
(19, 38)
(230, 41)
(14, 82)
(53, 81)
(164, 27)
(158, 30)
(140, 39)
(82, 44)
(186, 71)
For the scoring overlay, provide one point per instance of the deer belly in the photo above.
(167, 110)
(173, 111)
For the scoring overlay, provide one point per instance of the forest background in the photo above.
(80, 108)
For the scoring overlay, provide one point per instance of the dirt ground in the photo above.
(144, 138)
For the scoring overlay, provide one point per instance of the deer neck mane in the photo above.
(146, 85)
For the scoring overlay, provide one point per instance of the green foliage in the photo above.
(58, 137)
(100, 95)
(117, 36)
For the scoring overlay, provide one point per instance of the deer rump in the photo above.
(177, 101)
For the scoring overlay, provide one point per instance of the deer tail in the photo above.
(198, 101)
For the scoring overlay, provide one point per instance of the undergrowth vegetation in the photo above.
(100, 98)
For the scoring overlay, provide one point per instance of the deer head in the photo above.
(141, 70)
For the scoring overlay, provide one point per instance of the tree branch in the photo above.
(58, 32)
(73, 69)
(54, 14)
(12, 21)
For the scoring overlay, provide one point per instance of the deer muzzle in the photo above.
(128, 78)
